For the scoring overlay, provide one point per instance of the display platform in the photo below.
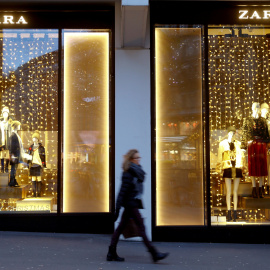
(256, 203)
(35, 204)
(4, 179)
(7, 192)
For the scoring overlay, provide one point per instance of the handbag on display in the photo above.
(131, 229)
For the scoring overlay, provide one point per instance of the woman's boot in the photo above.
(229, 215)
(34, 184)
(112, 255)
(12, 182)
(234, 215)
(157, 256)
(261, 192)
(254, 192)
(38, 189)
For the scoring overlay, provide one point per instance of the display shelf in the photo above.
(4, 179)
(7, 192)
(256, 203)
(35, 204)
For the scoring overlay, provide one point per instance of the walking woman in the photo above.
(129, 197)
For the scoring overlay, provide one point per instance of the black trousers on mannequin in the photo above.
(127, 214)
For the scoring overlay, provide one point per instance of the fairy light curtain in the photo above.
(29, 72)
(238, 72)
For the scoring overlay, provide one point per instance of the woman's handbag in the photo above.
(131, 229)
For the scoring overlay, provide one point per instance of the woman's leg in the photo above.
(124, 220)
(136, 215)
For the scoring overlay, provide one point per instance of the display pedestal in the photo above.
(256, 203)
(13, 192)
(35, 204)
(3, 179)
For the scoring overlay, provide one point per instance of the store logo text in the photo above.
(8, 19)
(246, 14)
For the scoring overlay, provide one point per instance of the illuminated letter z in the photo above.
(243, 14)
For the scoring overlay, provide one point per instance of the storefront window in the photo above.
(179, 145)
(29, 120)
(239, 123)
(86, 121)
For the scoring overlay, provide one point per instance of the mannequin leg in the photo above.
(2, 165)
(38, 186)
(235, 197)
(261, 179)
(34, 184)
(253, 181)
(6, 165)
(254, 189)
(228, 183)
(235, 192)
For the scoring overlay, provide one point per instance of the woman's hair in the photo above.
(127, 158)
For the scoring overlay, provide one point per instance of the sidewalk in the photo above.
(19, 250)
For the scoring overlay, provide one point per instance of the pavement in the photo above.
(24, 250)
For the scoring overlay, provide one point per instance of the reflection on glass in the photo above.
(239, 100)
(29, 93)
(179, 156)
(86, 122)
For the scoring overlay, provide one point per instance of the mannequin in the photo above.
(37, 151)
(254, 138)
(5, 131)
(16, 152)
(231, 158)
(264, 114)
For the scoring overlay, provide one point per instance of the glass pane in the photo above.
(29, 120)
(86, 121)
(179, 146)
(239, 123)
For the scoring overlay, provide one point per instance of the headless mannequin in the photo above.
(256, 114)
(264, 114)
(228, 182)
(14, 160)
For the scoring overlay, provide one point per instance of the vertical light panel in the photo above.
(179, 154)
(86, 122)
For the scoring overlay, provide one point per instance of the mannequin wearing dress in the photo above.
(255, 137)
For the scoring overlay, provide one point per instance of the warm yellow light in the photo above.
(158, 70)
(172, 85)
(96, 77)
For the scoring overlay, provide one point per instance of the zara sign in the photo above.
(251, 15)
(9, 19)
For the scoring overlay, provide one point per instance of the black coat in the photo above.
(128, 191)
(14, 148)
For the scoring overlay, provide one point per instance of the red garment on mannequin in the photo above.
(257, 158)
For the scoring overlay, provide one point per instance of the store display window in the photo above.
(28, 120)
(179, 140)
(86, 121)
(238, 72)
